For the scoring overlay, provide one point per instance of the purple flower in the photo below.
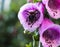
(49, 34)
(31, 15)
(53, 8)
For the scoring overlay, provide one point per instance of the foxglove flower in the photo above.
(49, 34)
(53, 8)
(31, 15)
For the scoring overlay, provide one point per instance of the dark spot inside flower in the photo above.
(48, 42)
(50, 34)
(54, 4)
(54, 14)
(50, 45)
(55, 11)
(33, 17)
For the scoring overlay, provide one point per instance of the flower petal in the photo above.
(49, 35)
(31, 16)
(53, 8)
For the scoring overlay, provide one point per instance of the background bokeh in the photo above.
(11, 31)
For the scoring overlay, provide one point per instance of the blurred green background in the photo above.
(11, 31)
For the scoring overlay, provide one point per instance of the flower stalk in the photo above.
(39, 44)
(33, 41)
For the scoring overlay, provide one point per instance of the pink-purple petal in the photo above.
(30, 23)
(53, 8)
(49, 34)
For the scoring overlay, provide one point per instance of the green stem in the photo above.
(39, 44)
(33, 42)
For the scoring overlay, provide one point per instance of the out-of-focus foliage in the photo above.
(29, 45)
(16, 4)
(11, 31)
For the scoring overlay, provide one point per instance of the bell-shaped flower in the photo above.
(53, 8)
(49, 34)
(31, 16)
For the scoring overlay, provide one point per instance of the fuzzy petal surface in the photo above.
(29, 19)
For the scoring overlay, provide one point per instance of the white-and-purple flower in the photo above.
(49, 34)
(53, 8)
(31, 15)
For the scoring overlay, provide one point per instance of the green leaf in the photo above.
(29, 45)
(37, 0)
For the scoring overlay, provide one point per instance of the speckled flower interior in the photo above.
(53, 8)
(49, 34)
(31, 16)
(54, 4)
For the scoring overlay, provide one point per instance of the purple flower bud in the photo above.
(49, 34)
(31, 16)
(53, 8)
